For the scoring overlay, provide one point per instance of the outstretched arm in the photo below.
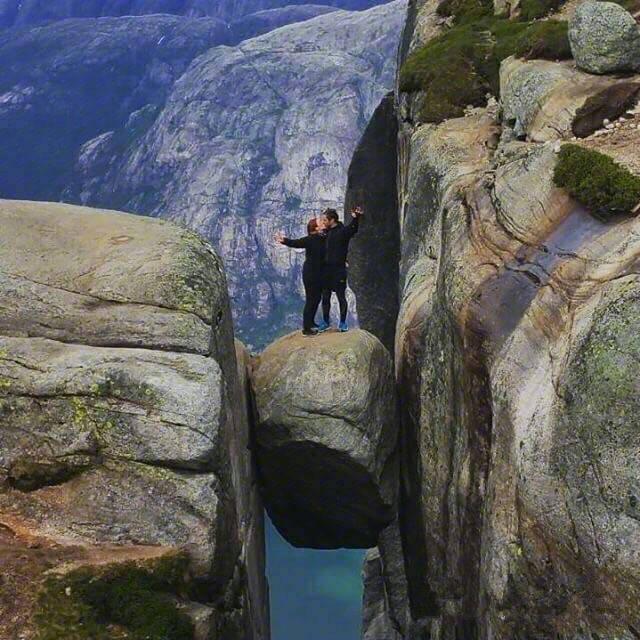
(298, 243)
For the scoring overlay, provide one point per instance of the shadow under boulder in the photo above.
(325, 435)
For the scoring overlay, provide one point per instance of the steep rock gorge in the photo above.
(515, 356)
(128, 496)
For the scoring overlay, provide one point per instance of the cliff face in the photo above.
(515, 352)
(53, 97)
(126, 484)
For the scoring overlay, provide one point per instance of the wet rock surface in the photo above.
(325, 433)
(109, 434)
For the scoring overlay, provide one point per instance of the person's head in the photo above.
(313, 227)
(331, 217)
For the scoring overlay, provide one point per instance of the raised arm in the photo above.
(352, 228)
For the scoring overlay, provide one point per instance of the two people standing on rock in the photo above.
(325, 267)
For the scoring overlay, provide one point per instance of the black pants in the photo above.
(313, 293)
(335, 281)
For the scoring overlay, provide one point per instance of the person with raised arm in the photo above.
(336, 247)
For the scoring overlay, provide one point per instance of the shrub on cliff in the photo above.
(596, 180)
(460, 66)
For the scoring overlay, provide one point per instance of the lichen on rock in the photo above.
(605, 38)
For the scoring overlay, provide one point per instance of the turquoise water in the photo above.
(315, 595)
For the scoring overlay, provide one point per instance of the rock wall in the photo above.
(124, 432)
(374, 253)
(515, 365)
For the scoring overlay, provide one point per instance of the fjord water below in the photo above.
(315, 595)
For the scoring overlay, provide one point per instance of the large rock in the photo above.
(325, 435)
(604, 38)
(122, 417)
(516, 373)
(512, 308)
(545, 100)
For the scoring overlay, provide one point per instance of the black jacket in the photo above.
(314, 247)
(337, 244)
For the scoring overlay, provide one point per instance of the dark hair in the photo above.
(331, 214)
(312, 226)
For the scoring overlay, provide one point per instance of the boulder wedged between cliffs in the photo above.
(325, 438)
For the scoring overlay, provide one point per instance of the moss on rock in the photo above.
(598, 182)
(30, 474)
(533, 9)
(459, 67)
(465, 11)
(134, 599)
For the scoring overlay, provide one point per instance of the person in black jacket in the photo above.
(335, 267)
(312, 271)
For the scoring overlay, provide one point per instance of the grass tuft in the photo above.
(595, 180)
(118, 601)
(459, 67)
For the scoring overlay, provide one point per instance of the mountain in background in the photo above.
(30, 12)
(149, 115)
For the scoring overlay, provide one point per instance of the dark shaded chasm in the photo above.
(374, 254)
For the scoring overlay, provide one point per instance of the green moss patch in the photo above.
(465, 11)
(598, 182)
(132, 600)
(31, 474)
(533, 9)
(459, 67)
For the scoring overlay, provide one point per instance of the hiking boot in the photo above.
(342, 327)
(323, 326)
(309, 332)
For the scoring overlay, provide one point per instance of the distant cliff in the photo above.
(31, 12)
